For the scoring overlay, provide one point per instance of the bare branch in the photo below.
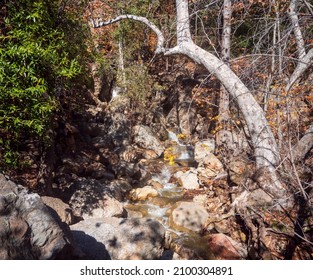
(302, 66)
(96, 23)
(296, 28)
(304, 145)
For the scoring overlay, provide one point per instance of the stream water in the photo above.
(187, 244)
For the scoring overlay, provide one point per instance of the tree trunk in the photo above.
(223, 115)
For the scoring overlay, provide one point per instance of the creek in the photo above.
(188, 244)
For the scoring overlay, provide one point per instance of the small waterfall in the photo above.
(173, 137)
(163, 177)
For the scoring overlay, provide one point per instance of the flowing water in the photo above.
(189, 245)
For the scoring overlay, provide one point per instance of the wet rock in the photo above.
(62, 209)
(204, 148)
(226, 248)
(189, 180)
(155, 184)
(143, 193)
(27, 228)
(92, 199)
(145, 138)
(188, 216)
(120, 239)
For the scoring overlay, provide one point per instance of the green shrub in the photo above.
(36, 61)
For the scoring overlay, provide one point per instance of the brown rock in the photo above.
(225, 248)
(62, 209)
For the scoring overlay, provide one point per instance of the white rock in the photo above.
(203, 148)
(189, 180)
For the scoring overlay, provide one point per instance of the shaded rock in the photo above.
(119, 130)
(120, 239)
(92, 199)
(27, 228)
(226, 248)
(204, 148)
(131, 171)
(145, 138)
(188, 216)
(62, 209)
(259, 197)
(143, 193)
(189, 180)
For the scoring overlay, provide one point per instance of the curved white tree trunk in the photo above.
(262, 138)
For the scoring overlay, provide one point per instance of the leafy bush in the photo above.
(35, 63)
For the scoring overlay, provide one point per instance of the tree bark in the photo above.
(305, 59)
(223, 115)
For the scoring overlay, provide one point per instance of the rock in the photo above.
(119, 189)
(236, 171)
(191, 248)
(209, 167)
(145, 138)
(200, 199)
(189, 180)
(119, 130)
(27, 229)
(225, 248)
(213, 163)
(62, 209)
(143, 193)
(188, 216)
(131, 171)
(92, 199)
(259, 197)
(204, 148)
(155, 184)
(120, 239)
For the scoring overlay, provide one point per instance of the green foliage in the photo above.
(36, 61)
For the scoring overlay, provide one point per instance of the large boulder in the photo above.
(28, 230)
(188, 216)
(145, 138)
(120, 239)
(91, 199)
